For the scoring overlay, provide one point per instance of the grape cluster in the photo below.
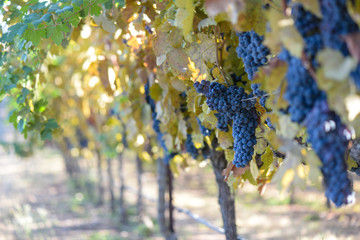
(336, 22)
(190, 148)
(252, 52)
(327, 135)
(83, 141)
(327, 31)
(204, 131)
(156, 124)
(233, 104)
(308, 26)
(223, 122)
(329, 139)
(148, 29)
(244, 125)
(301, 91)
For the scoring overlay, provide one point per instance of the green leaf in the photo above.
(51, 124)
(119, 3)
(22, 97)
(13, 117)
(32, 17)
(39, 6)
(74, 20)
(108, 4)
(21, 125)
(56, 34)
(95, 10)
(40, 105)
(46, 135)
(77, 2)
(54, 8)
(17, 29)
(64, 9)
(33, 35)
(46, 17)
(8, 87)
(27, 70)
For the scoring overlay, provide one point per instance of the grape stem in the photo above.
(265, 95)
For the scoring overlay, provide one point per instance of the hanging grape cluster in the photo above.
(329, 139)
(156, 124)
(308, 105)
(252, 51)
(234, 104)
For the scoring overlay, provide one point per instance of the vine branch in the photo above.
(218, 62)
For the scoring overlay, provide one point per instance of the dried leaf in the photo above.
(352, 40)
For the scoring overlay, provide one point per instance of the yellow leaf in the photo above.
(287, 178)
(254, 169)
(155, 92)
(184, 17)
(267, 158)
(225, 139)
(253, 18)
(229, 154)
(336, 66)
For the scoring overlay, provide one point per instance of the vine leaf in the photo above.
(225, 139)
(253, 18)
(237, 172)
(184, 17)
(17, 29)
(107, 25)
(267, 158)
(200, 53)
(335, 65)
(254, 169)
(214, 8)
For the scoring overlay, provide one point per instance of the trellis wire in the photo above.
(187, 212)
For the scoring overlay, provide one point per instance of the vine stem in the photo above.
(217, 55)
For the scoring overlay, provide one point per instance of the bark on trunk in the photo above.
(225, 198)
(100, 176)
(171, 207)
(111, 185)
(161, 180)
(139, 204)
(122, 209)
(171, 233)
(72, 166)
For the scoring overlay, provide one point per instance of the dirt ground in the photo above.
(38, 202)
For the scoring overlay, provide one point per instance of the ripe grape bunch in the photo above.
(308, 26)
(329, 138)
(156, 124)
(190, 147)
(329, 31)
(301, 91)
(252, 51)
(235, 104)
(327, 135)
